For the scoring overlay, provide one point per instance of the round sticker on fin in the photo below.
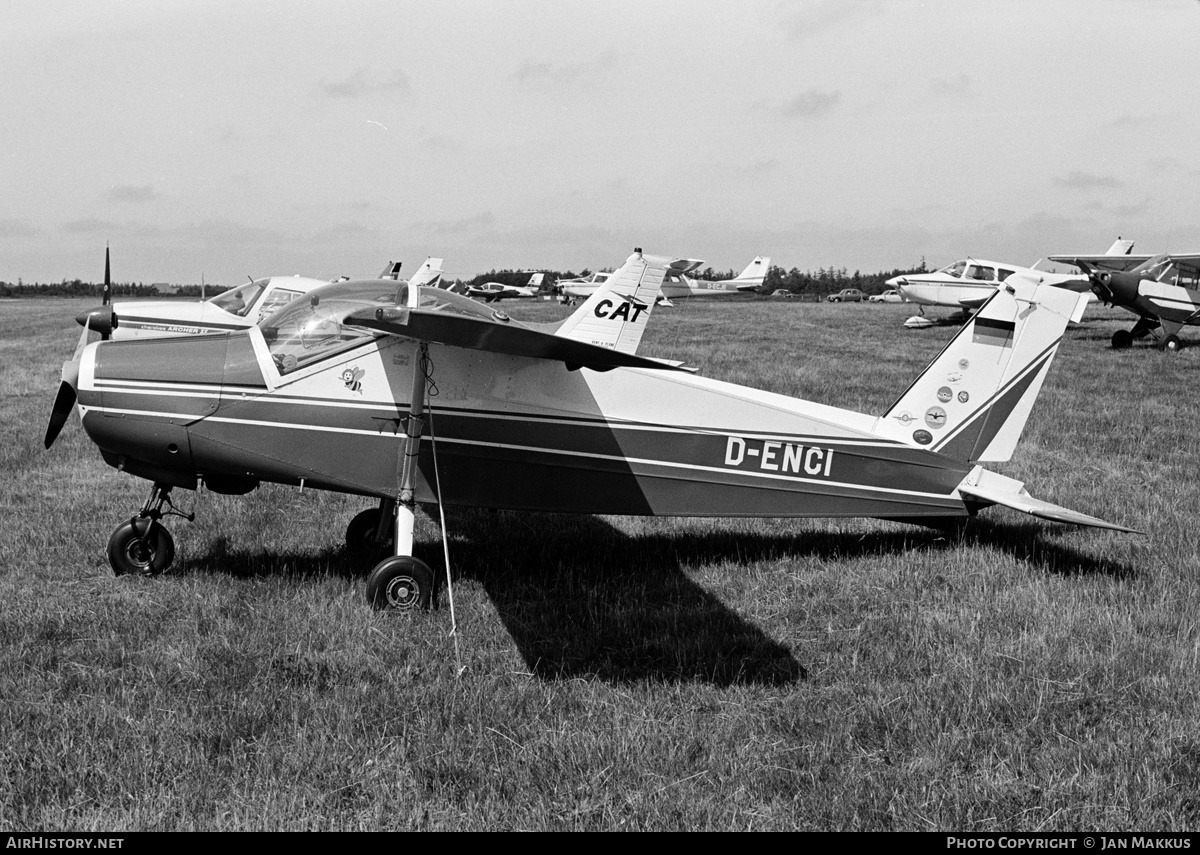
(922, 437)
(963, 397)
(944, 394)
(964, 364)
(935, 417)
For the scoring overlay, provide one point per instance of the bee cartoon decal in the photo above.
(352, 377)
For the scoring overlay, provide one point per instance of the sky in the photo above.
(231, 139)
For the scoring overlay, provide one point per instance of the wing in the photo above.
(1105, 262)
(498, 335)
(974, 303)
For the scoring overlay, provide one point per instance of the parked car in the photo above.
(783, 292)
(891, 295)
(847, 295)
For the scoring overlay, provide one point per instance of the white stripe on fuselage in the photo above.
(540, 450)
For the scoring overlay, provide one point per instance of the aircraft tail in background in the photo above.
(616, 314)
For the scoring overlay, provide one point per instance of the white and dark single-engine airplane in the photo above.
(966, 284)
(235, 309)
(491, 292)
(678, 284)
(1162, 290)
(333, 391)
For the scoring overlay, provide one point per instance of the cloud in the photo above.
(544, 74)
(90, 224)
(468, 225)
(441, 142)
(229, 233)
(763, 166)
(131, 193)
(812, 104)
(1080, 180)
(347, 229)
(816, 18)
(16, 228)
(956, 86)
(363, 82)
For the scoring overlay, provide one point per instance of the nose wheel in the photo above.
(141, 546)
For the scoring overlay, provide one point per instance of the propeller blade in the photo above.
(106, 294)
(64, 402)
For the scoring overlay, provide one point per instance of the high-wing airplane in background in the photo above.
(490, 292)
(334, 392)
(1162, 290)
(966, 284)
(677, 283)
(750, 279)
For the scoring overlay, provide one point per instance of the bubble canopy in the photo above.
(313, 327)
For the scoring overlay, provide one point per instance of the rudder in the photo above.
(973, 400)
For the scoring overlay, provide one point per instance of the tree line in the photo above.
(79, 288)
(801, 282)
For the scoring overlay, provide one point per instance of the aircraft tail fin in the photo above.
(535, 281)
(616, 313)
(973, 400)
(428, 274)
(1120, 247)
(755, 272)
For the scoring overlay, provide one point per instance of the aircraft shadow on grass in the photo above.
(581, 598)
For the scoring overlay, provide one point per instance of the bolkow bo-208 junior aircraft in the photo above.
(333, 392)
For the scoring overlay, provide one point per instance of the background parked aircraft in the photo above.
(490, 292)
(234, 309)
(1163, 291)
(677, 283)
(966, 284)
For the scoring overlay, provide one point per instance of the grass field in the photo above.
(624, 673)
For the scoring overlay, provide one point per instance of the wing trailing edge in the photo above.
(500, 336)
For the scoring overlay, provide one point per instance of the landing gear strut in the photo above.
(141, 545)
(401, 581)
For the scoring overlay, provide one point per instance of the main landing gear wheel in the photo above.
(402, 583)
(140, 547)
(360, 533)
(1172, 343)
(1122, 339)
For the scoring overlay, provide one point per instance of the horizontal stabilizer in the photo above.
(496, 336)
(996, 489)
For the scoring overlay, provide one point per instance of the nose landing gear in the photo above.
(141, 546)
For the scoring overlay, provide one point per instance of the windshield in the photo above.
(276, 299)
(240, 299)
(956, 269)
(311, 328)
(1172, 272)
